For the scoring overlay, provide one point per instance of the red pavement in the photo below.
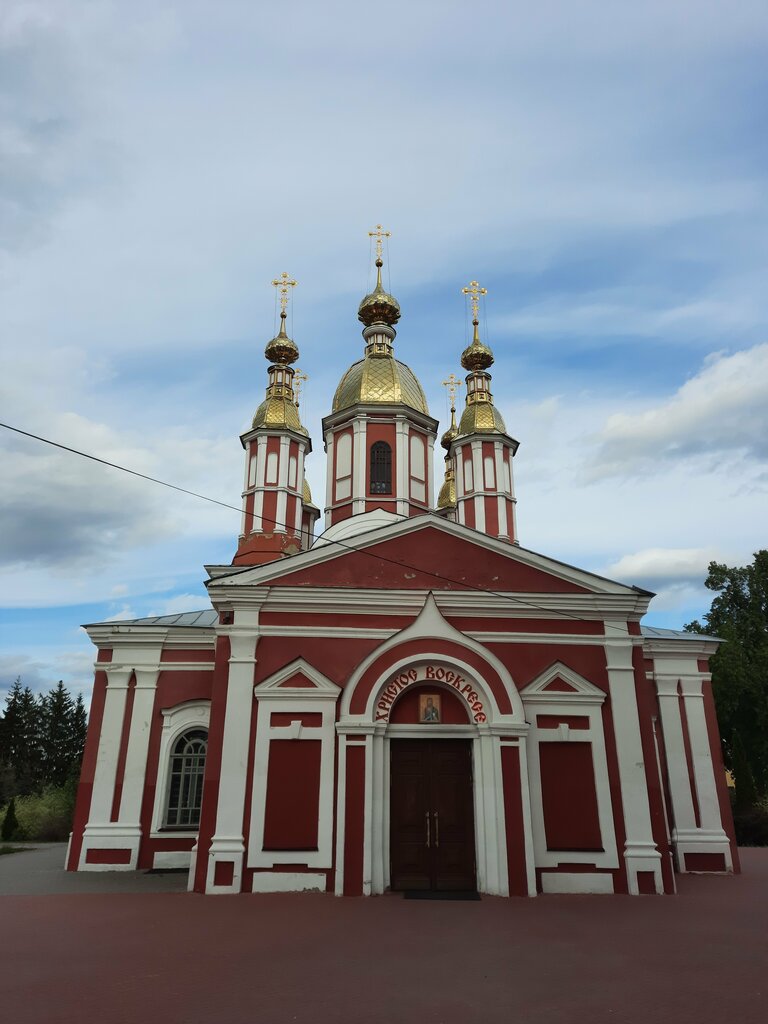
(699, 957)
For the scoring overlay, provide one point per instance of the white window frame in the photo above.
(192, 714)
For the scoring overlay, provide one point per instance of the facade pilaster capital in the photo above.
(118, 676)
(666, 686)
(691, 686)
(242, 646)
(146, 678)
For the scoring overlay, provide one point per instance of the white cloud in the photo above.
(668, 564)
(125, 612)
(722, 409)
(182, 603)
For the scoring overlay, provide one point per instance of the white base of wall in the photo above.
(701, 841)
(282, 881)
(111, 835)
(576, 882)
(172, 859)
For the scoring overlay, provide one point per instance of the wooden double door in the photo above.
(432, 821)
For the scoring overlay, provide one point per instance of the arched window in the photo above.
(381, 468)
(185, 790)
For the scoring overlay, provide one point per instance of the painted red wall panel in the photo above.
(430, 550)
(569, 798)
(308, 718)
(108, 857)
(552, 721)
(293, 795)
(716, 752)
(705, 862)
(513, 821)
(354, 813)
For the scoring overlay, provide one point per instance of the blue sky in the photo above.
(600, 168)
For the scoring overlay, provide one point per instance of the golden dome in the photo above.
(483, 418)
(447, 496)
(379, 307)
(375, 380)
(451, 432)
(282, 349)
(476, 356)
(279, 412)
(306, 494)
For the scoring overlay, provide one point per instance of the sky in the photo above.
(599, 167)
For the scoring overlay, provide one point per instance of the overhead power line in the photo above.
(273, 522)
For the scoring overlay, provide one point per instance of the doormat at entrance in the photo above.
(429, 894)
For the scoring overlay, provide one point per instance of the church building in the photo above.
(410, 700)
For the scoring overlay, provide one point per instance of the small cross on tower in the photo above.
(284, 283)
(453, 384)
(474, 291)
(299, 377)
(378, 233)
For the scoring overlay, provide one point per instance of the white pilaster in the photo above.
(228, 843)
(109, 744)
(138, 744)
(640, 851)
(328, 477)
(674, 746)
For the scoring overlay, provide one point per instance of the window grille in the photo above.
(185, 791)
(381, 468)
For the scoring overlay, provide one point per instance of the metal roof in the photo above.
(204, 619)
(657, 633)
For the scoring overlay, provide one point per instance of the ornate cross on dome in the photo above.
(284, 283)
(378, 233)
(299, 377)
(474, 291)
(453, 384)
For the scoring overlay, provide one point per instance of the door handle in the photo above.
(437, 829)
(428, 829)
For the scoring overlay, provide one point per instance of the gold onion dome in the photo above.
(282, 349)
(279, 412)
(379, 307)
(451, 432)
(476, 356)
(306, 494)
(447, 496)
(482, 418)
(380, 381)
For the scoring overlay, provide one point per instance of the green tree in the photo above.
(57, 742)
(739, 616)
(10, 823)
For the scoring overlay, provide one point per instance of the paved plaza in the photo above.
(115, 948)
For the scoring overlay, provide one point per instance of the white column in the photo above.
(109, 744)
(640, 852)
(401, 487)
(359, 466)
(430, 471)
(674, 746)
(704, 777)
(228, 843)
(138, 745)
(328, 477)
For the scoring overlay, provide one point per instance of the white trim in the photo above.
(170, 859)
(576, 882)
(191, 714)
(283, 881)
(277, 698)
(585, 701)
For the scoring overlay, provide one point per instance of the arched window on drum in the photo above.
(185, 787)
(381, 468)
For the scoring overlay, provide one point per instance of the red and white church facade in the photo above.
(410, 701)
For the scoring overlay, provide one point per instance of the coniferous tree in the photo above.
(57, 751)
(79, 730)
(10, 822)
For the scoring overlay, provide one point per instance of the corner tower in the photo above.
(379, 437)
(278, 514)
(482, 450)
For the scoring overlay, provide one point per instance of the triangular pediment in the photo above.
(559, 683)
(424, 553)
(298, 678)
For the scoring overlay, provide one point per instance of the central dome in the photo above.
(374, 381)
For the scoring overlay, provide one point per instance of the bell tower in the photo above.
(379, 437)
(481, 450)
(278, 514)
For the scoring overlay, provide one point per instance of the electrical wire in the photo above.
(273, 522)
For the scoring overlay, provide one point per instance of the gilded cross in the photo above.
(299, 377)
(474, 291)
(378, 233)
(453, 384)
(283, 284)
